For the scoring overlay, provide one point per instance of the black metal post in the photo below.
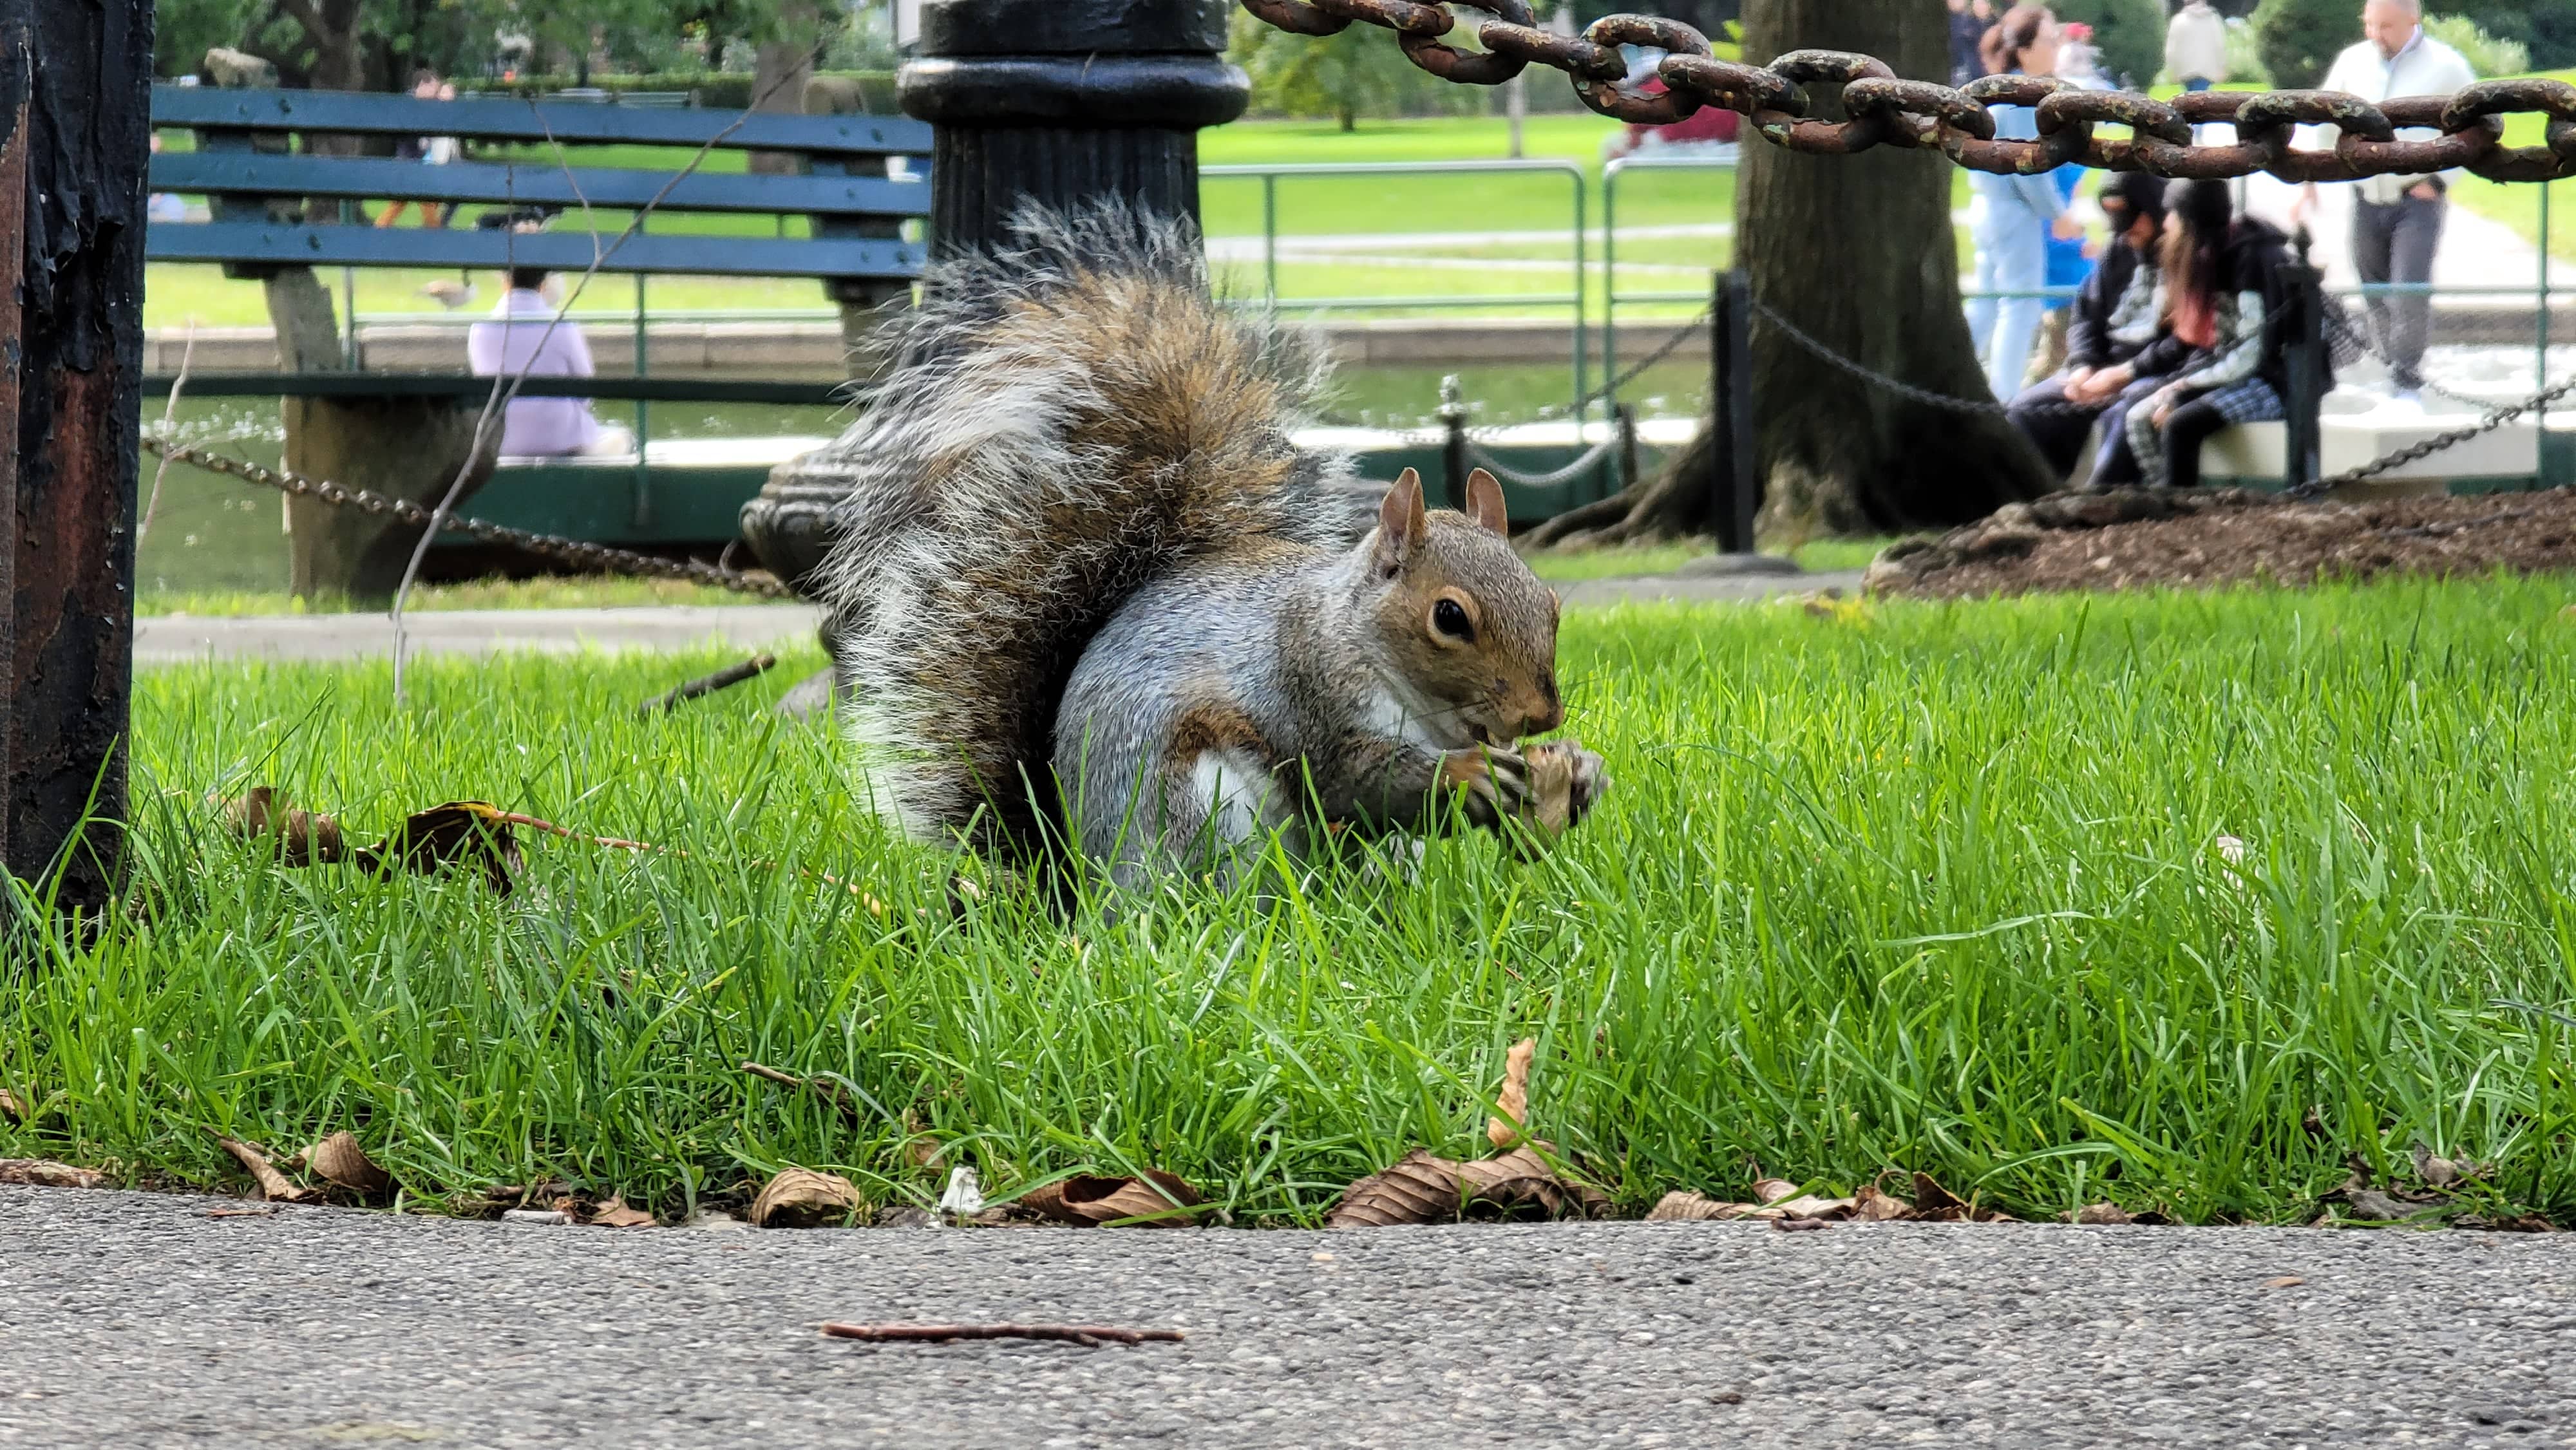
(2307, 362)
(1065, 102)
(74, 133)
(1453, 448)
(1730, 382)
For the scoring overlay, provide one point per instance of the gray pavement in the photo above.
(132, 1319)
(185, 639)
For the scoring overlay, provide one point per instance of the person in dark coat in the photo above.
(2116, 317)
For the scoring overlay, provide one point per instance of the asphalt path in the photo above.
(134, 1319)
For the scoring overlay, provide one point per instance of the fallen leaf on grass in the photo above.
(302, 837)
(1426, 1188)
(613, 1213)
(1158, 1200)
(15, 1106)
(803, 1198)
(1935, 1204)
(339, 1159)
(46, 1173)
(2103, 1213)
(1874, 1205)
(458, 833)
(273, 1185)
(2440, 1172)
(1505, 1131)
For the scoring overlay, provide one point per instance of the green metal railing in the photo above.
(1574, 301)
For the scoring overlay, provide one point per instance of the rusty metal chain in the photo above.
(1922, 115)
(572, 551)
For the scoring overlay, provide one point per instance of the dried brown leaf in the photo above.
(1807, 1205)
(613, 1213)
(1419, 1188)
(1505, 1131)
(1682, 1205)
(1154, 1201)
(2103, 1213)
(2286, 1281)
(273, 1185)
(1772, 1190)
(1934, 1203)
(303, 838)
(339, 1159)
(1424, 1188)
(46, 1173)
(1874, 1205)
(15, 1106)
(803, 1198)
(458, 833)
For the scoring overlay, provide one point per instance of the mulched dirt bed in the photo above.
(2138, 539)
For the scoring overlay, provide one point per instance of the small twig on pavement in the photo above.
(725, 678)
(1087, 1334)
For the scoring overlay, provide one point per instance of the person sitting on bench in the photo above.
(2113, 330)
(2227, 297)
(525, 338)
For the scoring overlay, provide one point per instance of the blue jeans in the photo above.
(2012, 256)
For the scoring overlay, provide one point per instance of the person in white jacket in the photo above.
(2196, 46)
(2396, 220)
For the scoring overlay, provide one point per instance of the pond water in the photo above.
(211, 533)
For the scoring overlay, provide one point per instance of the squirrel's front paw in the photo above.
(1493, 785)
(1586, 777)
(1565, 780)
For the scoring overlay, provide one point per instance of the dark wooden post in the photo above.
(1067, 101)
(74, 134)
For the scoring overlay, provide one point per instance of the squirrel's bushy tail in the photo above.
(1068, 417)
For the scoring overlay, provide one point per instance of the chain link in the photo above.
(572, 551)
(1921, 115)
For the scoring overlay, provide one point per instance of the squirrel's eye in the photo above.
(1451, 620)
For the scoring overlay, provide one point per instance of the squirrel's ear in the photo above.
(1485, 503)
(1400, 520)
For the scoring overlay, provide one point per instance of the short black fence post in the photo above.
(1453, 447)
(2305, 356)
(1730, 398)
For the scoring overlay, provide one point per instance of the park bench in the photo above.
(278, 210)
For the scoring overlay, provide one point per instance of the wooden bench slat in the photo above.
(822, 393)
(458, 248)
(496, 184)
(371, 114)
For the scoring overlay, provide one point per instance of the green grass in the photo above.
(1924, 886)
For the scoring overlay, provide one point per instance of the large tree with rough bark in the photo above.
(1857, 252)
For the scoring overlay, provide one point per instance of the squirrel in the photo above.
(1086, 594)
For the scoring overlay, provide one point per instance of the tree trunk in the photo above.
(1856, 251)
(780, 72)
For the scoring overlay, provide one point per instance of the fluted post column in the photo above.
(1066, 101)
